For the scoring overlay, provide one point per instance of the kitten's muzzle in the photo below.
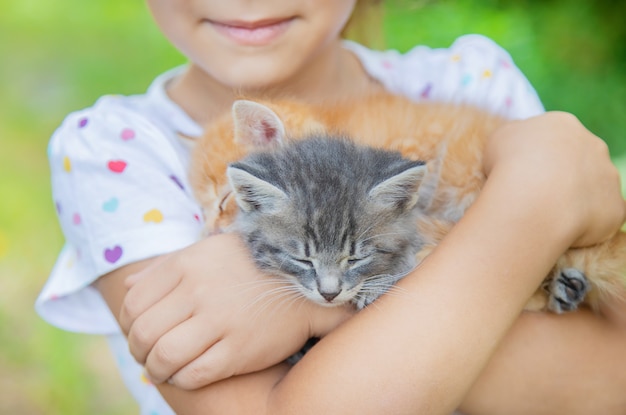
(329, 296)
(329, 284)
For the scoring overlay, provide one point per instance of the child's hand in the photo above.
(556, 151)
(206, 313)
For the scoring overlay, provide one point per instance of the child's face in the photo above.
(253, 44)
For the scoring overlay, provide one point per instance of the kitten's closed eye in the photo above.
(358, 261)
(303, 262)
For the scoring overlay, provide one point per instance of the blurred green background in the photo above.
(59, 56)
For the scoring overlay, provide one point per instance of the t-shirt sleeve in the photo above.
(120, 188)
(473, 70)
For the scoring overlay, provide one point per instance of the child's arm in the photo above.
(555, 364)
(422, 351)
(547, 364)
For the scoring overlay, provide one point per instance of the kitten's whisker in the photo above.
(391, 290)
(264, 281)
(373, 305)
(290, 288)
(277, 302)
(273, 293)
(395, 277)
(397, 292)
(273, 302)
(303, 300)
(364, 232)
(297, 298)
(380, 284)
(260, 285)
(381, 234)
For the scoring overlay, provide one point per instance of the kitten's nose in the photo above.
(329, 296)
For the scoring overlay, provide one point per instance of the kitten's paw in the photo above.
(363, 299)
(567, 290)
(374, 288)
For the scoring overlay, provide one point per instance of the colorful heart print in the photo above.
(112, 255)
(153, 215)
(127, 134)
(111, 205)
(67, 164)
(117, 166)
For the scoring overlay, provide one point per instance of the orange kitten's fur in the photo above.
(451, 138)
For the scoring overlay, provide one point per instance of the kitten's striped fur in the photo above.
(354, 254)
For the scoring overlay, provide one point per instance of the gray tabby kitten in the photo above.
(335, 218)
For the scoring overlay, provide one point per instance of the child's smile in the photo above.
(248, 46)
(252, 33)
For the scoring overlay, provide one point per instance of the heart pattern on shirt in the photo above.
(112, 255)
(117, 166)
(153, 215)
(127, 134)
(111, 205)
(67, 164)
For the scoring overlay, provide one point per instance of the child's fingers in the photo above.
(181, 347)
(154, 264)
(215, 364)
(153, 284)
(161, 318)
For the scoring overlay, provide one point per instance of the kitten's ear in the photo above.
(401, 190)
(256, 125)
(253, 193)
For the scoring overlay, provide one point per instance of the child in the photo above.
(124, 203)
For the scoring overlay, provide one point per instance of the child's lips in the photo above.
(256, 33)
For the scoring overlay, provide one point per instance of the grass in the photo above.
(62, 55)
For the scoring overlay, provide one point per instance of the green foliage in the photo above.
(574, 53)
(60, 56)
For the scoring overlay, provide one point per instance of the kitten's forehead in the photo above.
(329, 208)
(342, 236)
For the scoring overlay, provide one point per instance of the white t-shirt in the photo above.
(120, 186)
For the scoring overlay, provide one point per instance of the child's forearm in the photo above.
(555, 364)
(545, 365)
(239, 395)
